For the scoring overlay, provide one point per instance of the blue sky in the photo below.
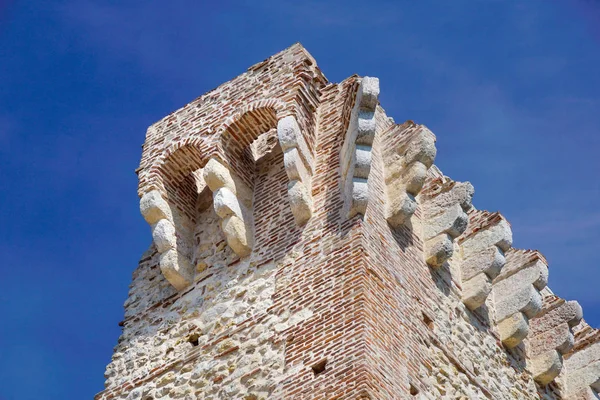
(511, 89)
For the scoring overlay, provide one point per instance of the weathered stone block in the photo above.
(526, 300)
(154, 208)
(300, 202)
(217, 176)
(438, 250)
(490, 261)
(546, 367)
(513, 329)
(178, 270)
(164, 236)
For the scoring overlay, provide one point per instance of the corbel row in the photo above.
(408, 153)
(482, 248)
(232, 201)
(176, 267)
(517, 296)
(299, 166)
(551, 336)
(356, 153)
(445, 203)
(580, 378)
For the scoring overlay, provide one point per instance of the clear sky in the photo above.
(510, 88)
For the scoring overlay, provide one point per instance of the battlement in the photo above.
(304, 245)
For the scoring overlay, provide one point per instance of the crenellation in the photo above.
(260, 282)
(408, 152)
(482, 246)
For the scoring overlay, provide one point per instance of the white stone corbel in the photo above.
(444, 203)
(482, 248)
(356, 153)
(176, 267)
(580, 378)
(232, 201)
(298, 163)
(408, 153)
(516, 295)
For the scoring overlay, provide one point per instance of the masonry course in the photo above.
(305, 246)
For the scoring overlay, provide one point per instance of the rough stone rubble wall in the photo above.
(268, 279)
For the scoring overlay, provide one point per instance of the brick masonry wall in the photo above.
(340, 308)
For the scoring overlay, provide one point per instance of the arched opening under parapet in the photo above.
(186, 193)
(250, 147)
(247, 138)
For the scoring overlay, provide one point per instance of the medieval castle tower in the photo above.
(305, 246)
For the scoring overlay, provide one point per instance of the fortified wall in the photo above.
(305, 246)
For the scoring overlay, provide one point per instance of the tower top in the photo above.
(306, 246)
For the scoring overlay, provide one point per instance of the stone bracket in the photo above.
(517, 292)
(232, 201)
(482, 248)
(444, 218)
(356, 153)
(551, 336)
(299, 166)
(408, 153)
(176, 267)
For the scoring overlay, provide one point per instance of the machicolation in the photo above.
(305, 246)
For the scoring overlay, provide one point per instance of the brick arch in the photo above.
(179, 179)
(239, 131)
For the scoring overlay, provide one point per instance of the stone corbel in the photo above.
(551, 336)
(517, 296)
(580, 378)
(176, 267)
(356, 153)
(408, 153)
(482, 248)
(444, 203)
(232, 201)
(298, 163)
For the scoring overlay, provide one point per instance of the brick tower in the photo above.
(305, 246)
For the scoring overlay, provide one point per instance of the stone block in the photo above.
(226, 204)
(421, 148)
(290, 136)
(582, 379)
(453, 222)
(362, 161)
(300, 202)
(535, 274)
(154, 208)
(178, 270)
(400, 206)
(498, 234)
(217, 176)
(438, 250)
(369, 88)
(238, 234)
(559, 338)
(546, 367)
(526, 300)
(360, 197)
(413, 177)
(294, 166)
(513, 329)
(476, 290)
(366, 127)
(569, 312)
(164, 236)
(490, 261)
(461, 193)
